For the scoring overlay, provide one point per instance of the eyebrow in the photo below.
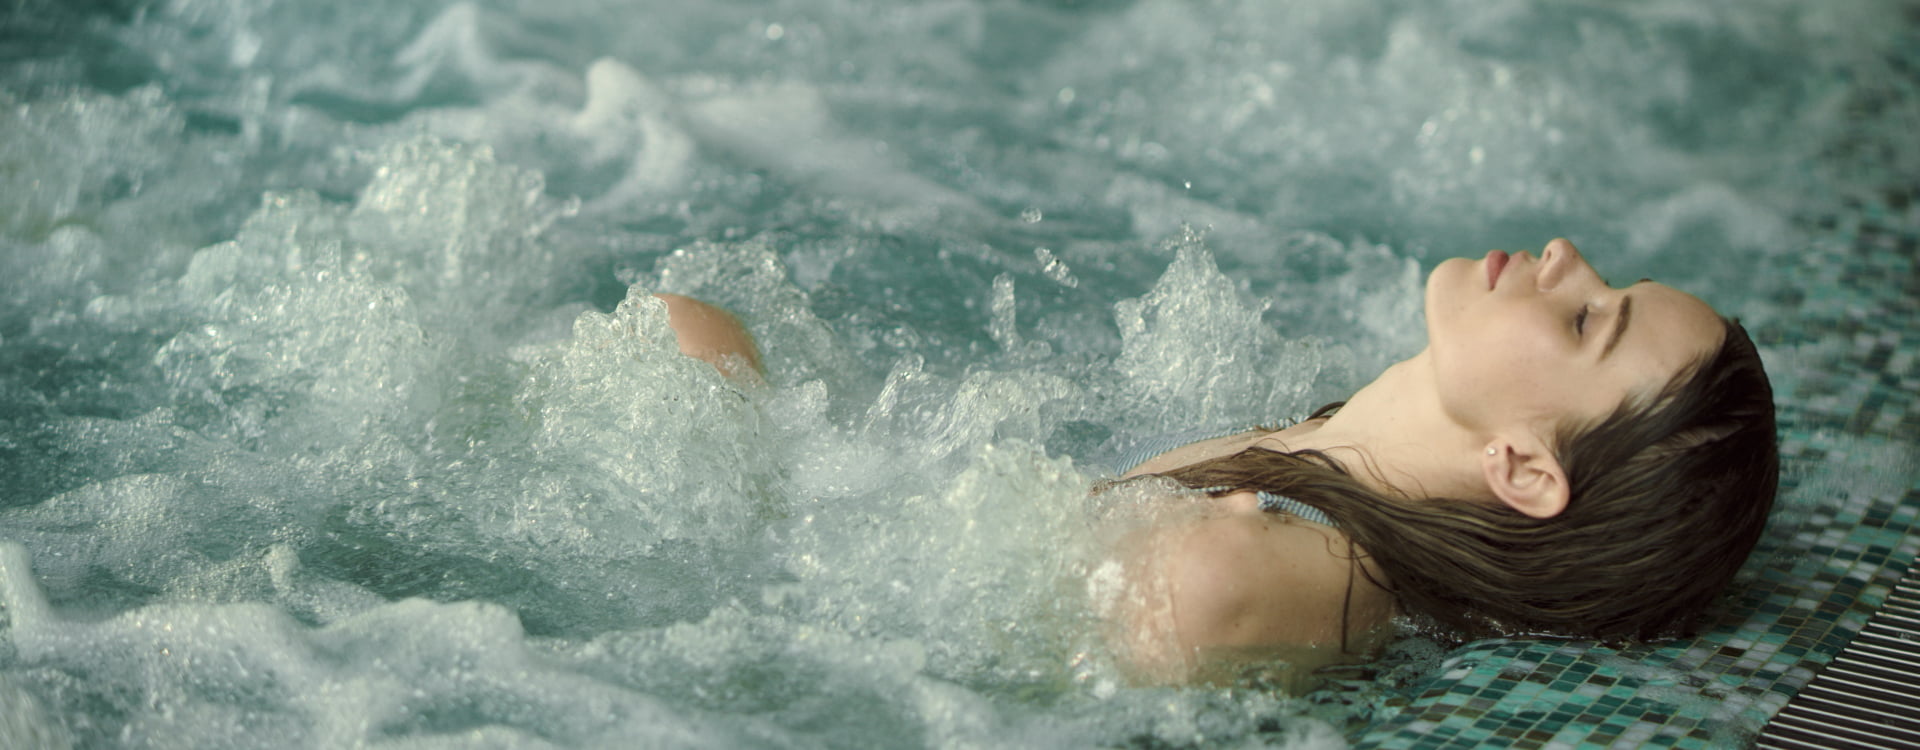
(1619, 326)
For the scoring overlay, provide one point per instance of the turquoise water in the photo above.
(332, 410)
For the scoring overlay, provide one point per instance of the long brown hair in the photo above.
(1668, 495)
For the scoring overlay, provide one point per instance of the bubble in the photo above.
(621, 399)
(1004, 329)
(320, 355)
(1195, 350)
(1053, 268)
(459, 230)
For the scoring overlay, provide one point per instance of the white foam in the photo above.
(403, 672)
(620, 397)
(627, 116)
(1196, 351)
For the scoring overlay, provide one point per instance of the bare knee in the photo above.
(712, 335)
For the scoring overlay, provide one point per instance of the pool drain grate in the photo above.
(1869, 695)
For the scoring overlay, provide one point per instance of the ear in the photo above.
(1525, 475)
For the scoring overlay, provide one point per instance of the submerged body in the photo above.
(1545, 396)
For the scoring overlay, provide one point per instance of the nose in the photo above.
(1559, 260)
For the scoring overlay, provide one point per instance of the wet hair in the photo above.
(1668, 495)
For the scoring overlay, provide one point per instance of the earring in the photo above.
(1492, 451)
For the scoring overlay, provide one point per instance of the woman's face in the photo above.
(1544, 340)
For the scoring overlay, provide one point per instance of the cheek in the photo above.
(1512, 355)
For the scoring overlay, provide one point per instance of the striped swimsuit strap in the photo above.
(1155, 445)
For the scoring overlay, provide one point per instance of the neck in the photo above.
(1393, 436)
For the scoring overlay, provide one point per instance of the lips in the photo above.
(1496, 262)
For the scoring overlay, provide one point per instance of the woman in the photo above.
(1563, 458)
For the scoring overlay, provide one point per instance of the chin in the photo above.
(1439, 283)
(1447, 293)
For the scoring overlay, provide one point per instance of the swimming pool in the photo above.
(322, 421)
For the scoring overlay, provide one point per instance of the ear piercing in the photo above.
(1491, 451)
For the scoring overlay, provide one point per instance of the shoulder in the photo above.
(1251, 579)
(1243, 582)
